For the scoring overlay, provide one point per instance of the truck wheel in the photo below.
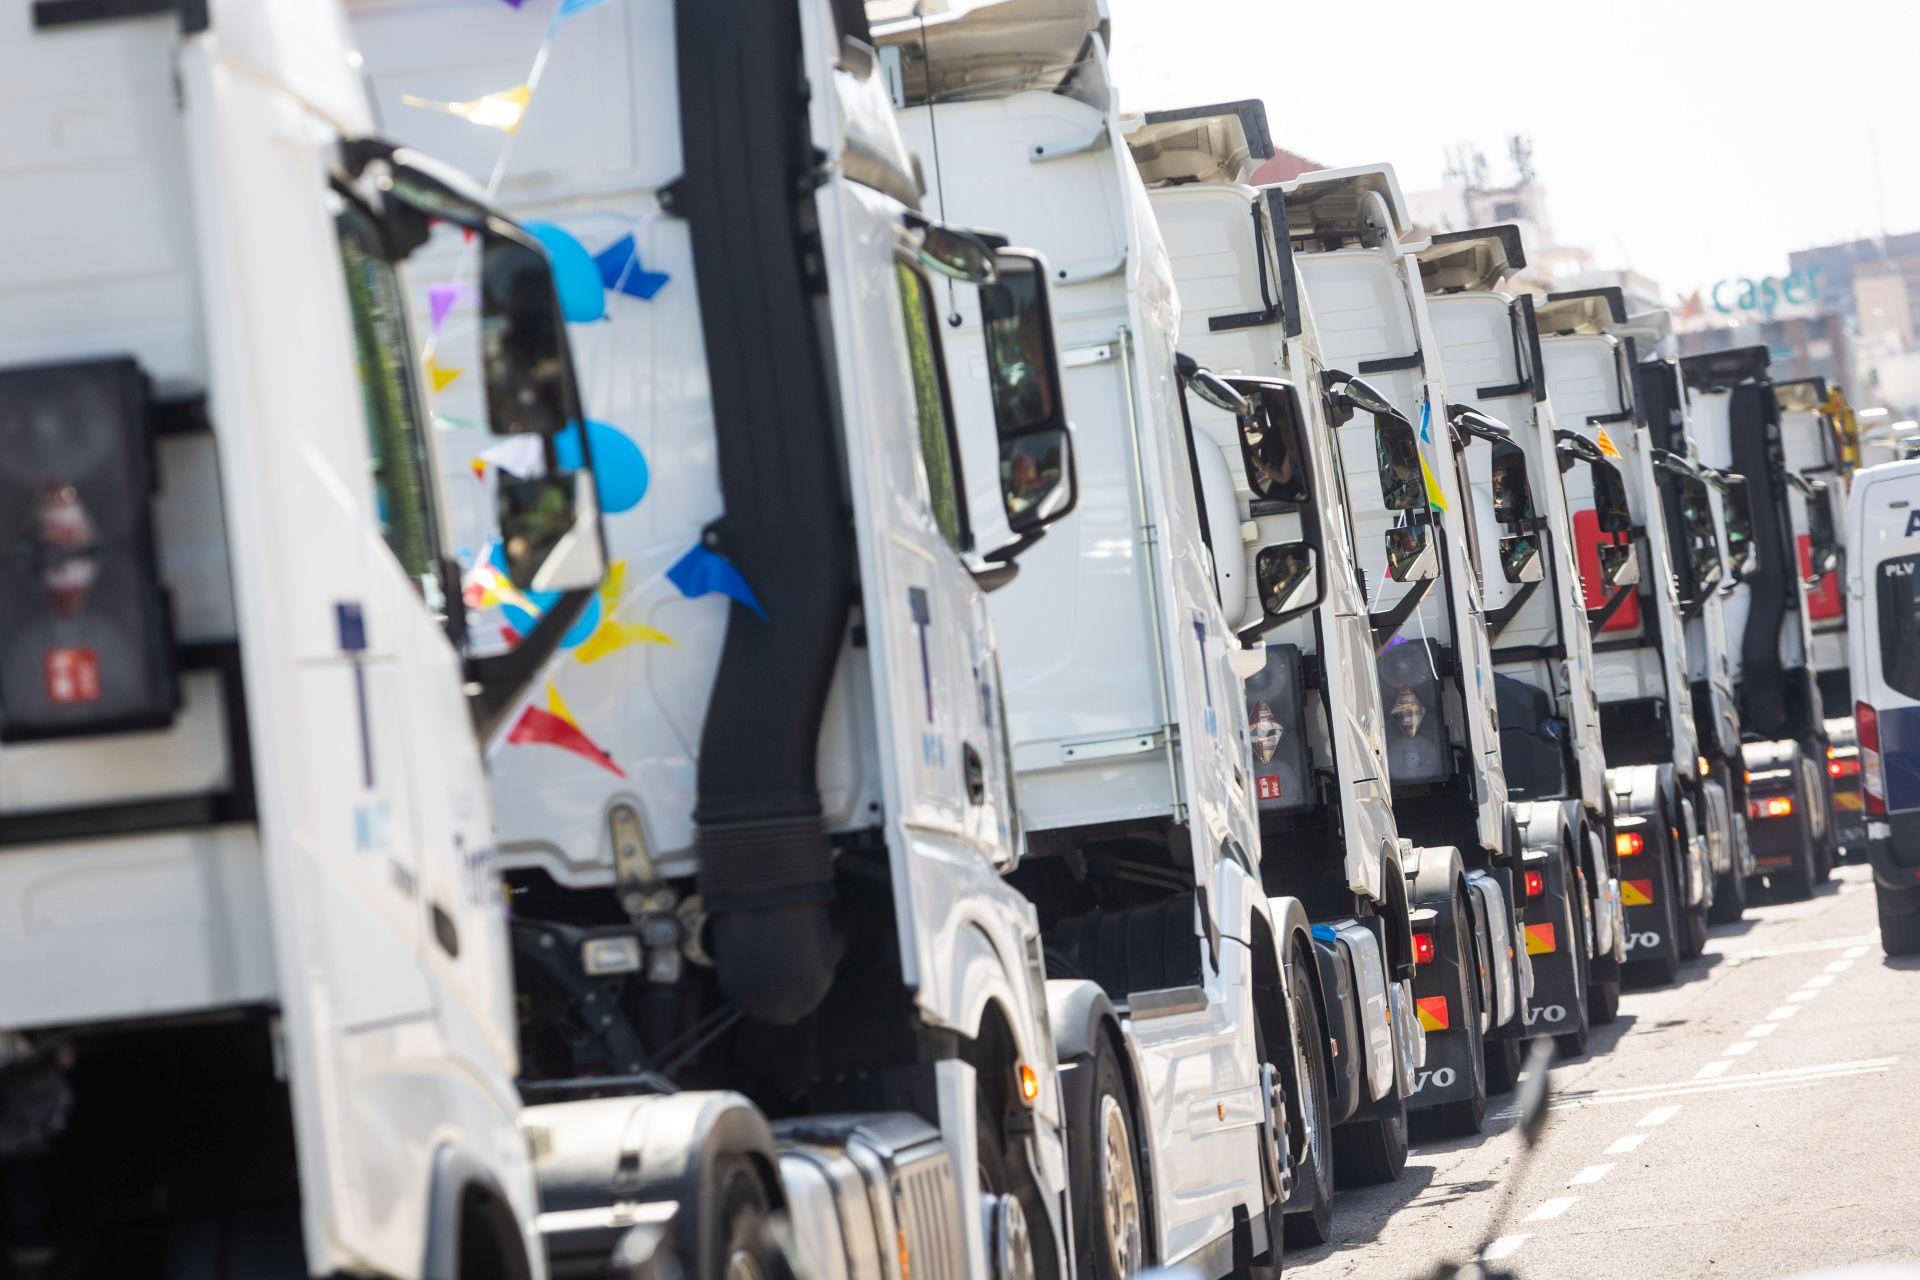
(1502, 1065)
(1693, 933)
(1729, 897)
(1603, 1002)
(1109, 1212)
(1312, 1224)
(742, 1222)
(1571, 1044)
(1370, 1151)
(1900, 925)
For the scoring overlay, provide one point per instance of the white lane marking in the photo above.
(1764, 1029)
(1840, 966)
(1801, 996)
(1784, 1012)
(1781, 1078)
(1832, 944)
(1505, 1247)
(1552, 1208)
(1853, 953)
(1625, 1144)
(1659, 1115)
(1718, 1067)
(1592, 1173)
(1817, 981)
(1738, 1047)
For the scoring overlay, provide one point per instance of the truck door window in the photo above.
(931, 405)
(395, 437)
(1899, 606)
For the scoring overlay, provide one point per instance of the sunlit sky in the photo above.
(1691, 139)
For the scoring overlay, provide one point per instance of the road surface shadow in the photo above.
(1361, 1213)
(1900, 962)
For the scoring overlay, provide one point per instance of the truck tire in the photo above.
(1900, 925)
(1795, 884)
(1729, 897)
(1371, 1151)
(1603, 1002)
(1571, 1044)
(1313, 1224)
(744, 1239)
(1693, 932)
(1109, 1207)
(1503, 1058)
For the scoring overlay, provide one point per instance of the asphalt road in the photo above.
(1759, 1118)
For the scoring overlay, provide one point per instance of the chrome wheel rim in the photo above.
(1119, 1190)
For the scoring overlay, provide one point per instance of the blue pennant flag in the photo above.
(1426, 421)
(621, 269)
(570, 7)
(701, 572)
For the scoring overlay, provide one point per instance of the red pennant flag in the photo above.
(551, 726)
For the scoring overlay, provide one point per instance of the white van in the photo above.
(1883, 644)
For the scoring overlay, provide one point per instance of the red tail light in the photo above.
(1771, 807)
(1843, 768)
(1536, 883)
(1423, 951)
(1628, 844)
(1873, 778)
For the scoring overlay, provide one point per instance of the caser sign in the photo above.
(1763, 294)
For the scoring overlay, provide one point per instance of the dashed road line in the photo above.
(1592, 1173)
(1658, 1116)
(1853, 953)
(1739, 1047)
(1622, 1146)
(1784, 1012)
(1764, 1029)
(1504, 1247)
(1802, 996)
(1802, 948)
(1718, 1067)
(1840, 966)
(1817, 981)
(1553, 1208)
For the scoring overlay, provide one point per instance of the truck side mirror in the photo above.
(1512, 490)
(1349, 393)
(954, 251)
(1412, 555)
(1520, 559)
(1273, 443)
(1610, 498)
(1401, 485)
(1038, 484)
(1471, 421)
(1289, 580)
(1619, 565)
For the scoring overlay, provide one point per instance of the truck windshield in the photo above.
(1739, 522)
(1702, 542)
(1899, 607)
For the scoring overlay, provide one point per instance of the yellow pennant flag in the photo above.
(612, 635)
(501, 109)
(439, 375)
(1605, 442)
(1433, 485)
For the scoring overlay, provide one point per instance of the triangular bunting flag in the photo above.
(501, 109)
(554, 726)
(442, 298)
(611, 636)
(702, 572)
(1433, 486)
(439, 376)
(1605, 442)
(622, 271)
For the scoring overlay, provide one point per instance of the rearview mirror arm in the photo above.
(1387, 625)
(1500, 619)
(1597, 619)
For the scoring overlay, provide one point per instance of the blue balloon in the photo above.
(575, 274)
(618, 465)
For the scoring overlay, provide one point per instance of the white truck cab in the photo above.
(1734, 421)
(246, 844)
(1124, 704)
(1882, 535)
(1589, 350)
(1282, 541)
(1488, 347)
(758, 820)
(1411, 504)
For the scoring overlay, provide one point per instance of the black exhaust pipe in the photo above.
(766, 865)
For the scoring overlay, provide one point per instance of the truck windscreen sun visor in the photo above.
(85, 643)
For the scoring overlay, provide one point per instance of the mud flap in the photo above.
(1448, 1074)
(1343, 1024)
(1547, 925)
(1650, 932)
